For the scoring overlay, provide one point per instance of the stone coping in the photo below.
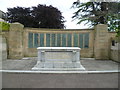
(57, 48)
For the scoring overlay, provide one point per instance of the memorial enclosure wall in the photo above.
(23, 42)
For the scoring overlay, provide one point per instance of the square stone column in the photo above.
(101, 44)
(15, 41)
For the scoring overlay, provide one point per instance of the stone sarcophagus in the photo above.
(58, 58)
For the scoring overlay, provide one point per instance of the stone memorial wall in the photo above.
(23, 42)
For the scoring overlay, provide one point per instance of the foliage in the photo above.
(40, 16)
(4, 26)
(118, 32)
(3, 15)
(98, 13)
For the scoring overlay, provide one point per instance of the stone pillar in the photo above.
(101, 45)
(16, 41)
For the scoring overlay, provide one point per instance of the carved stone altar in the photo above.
(58, 58)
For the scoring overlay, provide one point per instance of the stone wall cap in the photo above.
(101, 25)
(17, 23)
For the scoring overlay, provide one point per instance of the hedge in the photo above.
(4, 26)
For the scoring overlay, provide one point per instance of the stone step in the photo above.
(58, 66)
(59, 69)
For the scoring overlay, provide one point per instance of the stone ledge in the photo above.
(59, 69)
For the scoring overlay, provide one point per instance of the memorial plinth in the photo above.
(58, 58)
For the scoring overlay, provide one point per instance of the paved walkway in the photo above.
(90, 64)
(26, 78)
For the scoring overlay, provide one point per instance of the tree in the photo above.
(98, 13)
(41, 16)
(20, 14)
(48, 17)
(2, 15)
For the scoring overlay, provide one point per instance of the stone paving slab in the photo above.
(23, 64)
(90, 64)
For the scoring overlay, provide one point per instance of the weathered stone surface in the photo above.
(115, 52)
(58, 58)
(3, 49)
(58, 64)
(15, 41)
(101, 46)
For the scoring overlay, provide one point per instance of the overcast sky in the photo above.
(63, 5)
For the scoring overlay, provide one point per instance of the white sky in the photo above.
(63, 5)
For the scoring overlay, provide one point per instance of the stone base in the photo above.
(58, 66)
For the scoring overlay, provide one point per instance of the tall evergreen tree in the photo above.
(98, 13)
